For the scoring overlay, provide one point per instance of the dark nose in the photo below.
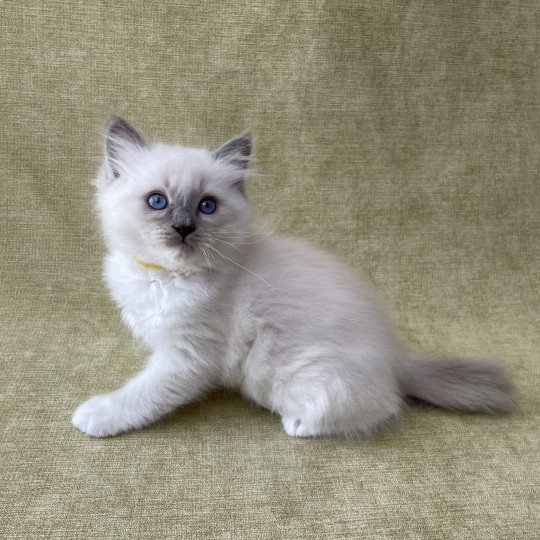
(184, 230)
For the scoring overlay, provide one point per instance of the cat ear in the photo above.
(121, 139)
(236, 151)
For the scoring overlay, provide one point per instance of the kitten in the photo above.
(221, 304)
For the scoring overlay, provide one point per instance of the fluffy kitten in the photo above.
(219, 304)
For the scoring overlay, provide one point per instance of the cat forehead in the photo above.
(180, 161)
(180, 167)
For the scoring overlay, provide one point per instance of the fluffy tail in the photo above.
(475, 384)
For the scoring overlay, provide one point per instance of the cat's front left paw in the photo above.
(99, 417)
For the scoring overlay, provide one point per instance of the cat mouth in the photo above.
(183, 245)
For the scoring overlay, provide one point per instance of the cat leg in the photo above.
(320, 402)
(157, 390)
(304, 421)
(300, 427)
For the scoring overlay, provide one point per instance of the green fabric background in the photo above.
(401, 135)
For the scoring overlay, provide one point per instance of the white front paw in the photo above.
(99, 417)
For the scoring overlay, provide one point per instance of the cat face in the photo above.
(177, 207)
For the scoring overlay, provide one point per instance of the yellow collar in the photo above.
(149, 265)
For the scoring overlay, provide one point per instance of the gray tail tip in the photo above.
(467, 384)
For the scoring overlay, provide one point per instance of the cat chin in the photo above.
(187, 260)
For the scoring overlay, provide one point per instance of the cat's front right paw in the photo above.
(98, 417)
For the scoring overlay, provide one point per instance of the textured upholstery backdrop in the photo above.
(401, 135)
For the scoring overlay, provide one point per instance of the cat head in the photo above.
(177, 207)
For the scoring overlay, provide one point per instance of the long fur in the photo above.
(232, 305)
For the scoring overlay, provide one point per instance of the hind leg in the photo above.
(311, 406)
(303, 424)
(303, 427)
(336, 420)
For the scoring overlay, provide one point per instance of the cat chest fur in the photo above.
(155, 305)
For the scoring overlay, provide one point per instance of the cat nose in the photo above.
(184, 230)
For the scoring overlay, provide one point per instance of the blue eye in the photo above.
(207, 206)
(157, 201)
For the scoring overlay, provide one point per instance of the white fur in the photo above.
(287, 325)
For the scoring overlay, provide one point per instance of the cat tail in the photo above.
(469, 384)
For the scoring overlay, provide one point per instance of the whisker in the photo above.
(239, 265)
(239, 234)
(229, 243)
(257, 241)
(206, 257)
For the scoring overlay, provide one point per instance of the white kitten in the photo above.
(221, 304)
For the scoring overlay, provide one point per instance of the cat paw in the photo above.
(295, 428)
(98, 417)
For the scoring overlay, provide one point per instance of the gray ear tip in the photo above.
(113, 119)
(117, 129)
(117, 124)
(247, 136)
(120, 137)
(236, 150)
